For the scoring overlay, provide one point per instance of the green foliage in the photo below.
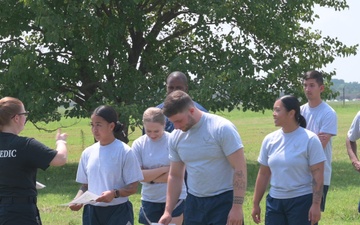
(93, 52)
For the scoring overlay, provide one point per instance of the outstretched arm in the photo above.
(61, 156)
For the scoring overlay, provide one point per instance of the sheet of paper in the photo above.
(86, 198)
(39, 185)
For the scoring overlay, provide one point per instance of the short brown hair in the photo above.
(314, 74)
(176, 102)
(9, 107)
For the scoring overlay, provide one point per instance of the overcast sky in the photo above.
(345, 26)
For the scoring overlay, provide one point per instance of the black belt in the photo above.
(18, 200)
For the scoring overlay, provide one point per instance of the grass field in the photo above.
(61, 187)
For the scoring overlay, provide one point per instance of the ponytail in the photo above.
(119, 132)
(302, 121)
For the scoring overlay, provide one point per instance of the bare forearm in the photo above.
(261, 184)
(152, 174)
(318, 182)
(128, 190)
(239, 184)
(162, 179)
(238, 163)
(324, 139)
(352, 150)
(173, 193)
(317, 192)
(61, 155)
(83, 188)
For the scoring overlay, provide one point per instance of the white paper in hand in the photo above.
(39, 185)
(86, 198)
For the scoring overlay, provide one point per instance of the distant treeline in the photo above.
(346, 90)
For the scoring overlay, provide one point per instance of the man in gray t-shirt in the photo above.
(320, 119)
(211, 149)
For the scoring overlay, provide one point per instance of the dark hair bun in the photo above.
(118, 126)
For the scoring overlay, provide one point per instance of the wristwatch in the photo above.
(116, 193)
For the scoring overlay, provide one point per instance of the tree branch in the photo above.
(55, 129)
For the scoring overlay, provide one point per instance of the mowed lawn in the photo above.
(343, 196)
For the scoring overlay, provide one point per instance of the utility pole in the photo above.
(344, 95)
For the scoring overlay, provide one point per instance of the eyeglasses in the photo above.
(23, 113)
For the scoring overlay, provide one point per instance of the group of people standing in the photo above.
(191, 163)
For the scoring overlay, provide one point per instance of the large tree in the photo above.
(238, 53)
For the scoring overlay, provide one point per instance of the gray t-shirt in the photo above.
(204, 150)
(108, 167)
(289, 156)
(322, 119)
(154, 154)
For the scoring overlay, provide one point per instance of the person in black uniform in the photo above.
(20, 157)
